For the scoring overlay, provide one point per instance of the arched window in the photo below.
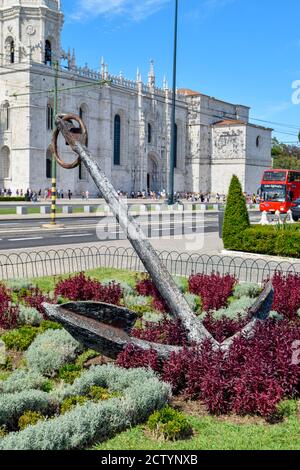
(49, 117)
(117, 140)
(10, 50)
(176, 146)
(149, 134)
(49, 163)
(5, 163)
(5, 116)
(48, 52)
(258, 141)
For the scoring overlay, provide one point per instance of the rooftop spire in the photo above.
(151, 74)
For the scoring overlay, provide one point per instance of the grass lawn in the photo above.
(101, 274)
(214, 434)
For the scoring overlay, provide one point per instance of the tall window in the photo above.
(49, 163)
(5, 116)
(12, 52)
(149, 133)
(49, 117)
(117, 140)
(48, 52)
(176, 146)
(5, 163)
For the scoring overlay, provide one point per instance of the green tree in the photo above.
(285, 156)
(236, 218)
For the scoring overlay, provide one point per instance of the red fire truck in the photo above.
(279, 188)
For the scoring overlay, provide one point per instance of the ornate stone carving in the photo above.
(30, 30)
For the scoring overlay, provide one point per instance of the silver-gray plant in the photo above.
(142, 393)
(52, 350)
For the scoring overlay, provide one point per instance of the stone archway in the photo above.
(153, 174)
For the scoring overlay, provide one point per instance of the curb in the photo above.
(258, 256)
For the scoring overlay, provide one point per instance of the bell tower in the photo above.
(30, 30)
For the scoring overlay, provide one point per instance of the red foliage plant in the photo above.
(9, 314)
(146, 287)
(82, 288)
(35, 298)
(287, 294)
(225, 327)
(213, 289)
(133, 357)
(252, 378)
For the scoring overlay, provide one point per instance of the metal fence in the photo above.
(30, 265)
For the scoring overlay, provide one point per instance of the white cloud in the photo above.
(135, 10)
(206, 8)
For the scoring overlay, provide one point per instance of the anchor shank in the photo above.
(161, 277)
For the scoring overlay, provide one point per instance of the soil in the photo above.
(197, 409)
(16, 357)
(97, 361)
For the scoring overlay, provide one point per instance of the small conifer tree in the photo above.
(236, 218)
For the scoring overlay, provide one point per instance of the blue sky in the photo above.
(246, 52)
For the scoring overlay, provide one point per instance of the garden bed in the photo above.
(53, 396)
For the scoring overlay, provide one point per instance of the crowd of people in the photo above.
(35, 196)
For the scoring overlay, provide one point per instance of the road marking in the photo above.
(24, 239)
(78, 235)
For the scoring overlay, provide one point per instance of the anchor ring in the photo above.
(83, 139)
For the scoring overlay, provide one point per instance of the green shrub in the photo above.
(8, 364)
(70, 403)
(29, 316)
(49, 325)
(69, 372)
(3, 376)
(21, 380)
(20, 339)
(126, 288)
(85, 357)
(237, 308)
(266, 240)
(51, 350)
(12, 199)
(236, 218)
(169, 424)
(194, 302)
(30, 418)
(100, 394)
(142, 393)
(13, 405)
(182, 283)
(286, 409)
(17, 285)
(48, 386)
(137, 303)
(151, 317)
(276, 316)
(3, 431)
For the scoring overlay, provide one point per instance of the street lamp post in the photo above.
(173, 116)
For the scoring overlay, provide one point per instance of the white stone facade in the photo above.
(214, 138)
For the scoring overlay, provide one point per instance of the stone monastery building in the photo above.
(128, 121)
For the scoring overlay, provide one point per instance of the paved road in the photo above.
(30, 234)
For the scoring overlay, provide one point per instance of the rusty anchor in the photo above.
(98, 325)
